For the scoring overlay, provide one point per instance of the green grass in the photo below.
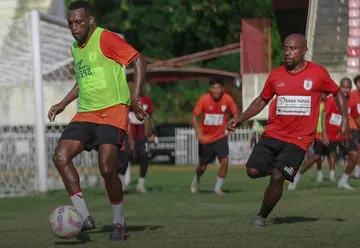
(169, 216)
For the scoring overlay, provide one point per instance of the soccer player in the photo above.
(214, 107)
(355, 96)
(103, 106)
(332, 138)
(297, 85)
(138, 142)
(320, 149)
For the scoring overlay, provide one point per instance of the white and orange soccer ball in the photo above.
(65, 222)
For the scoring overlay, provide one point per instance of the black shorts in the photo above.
(355, 134)
(344, 149)
(92, 135)
(208, 152)
(320, 148)
(271, 153)
(125, 154)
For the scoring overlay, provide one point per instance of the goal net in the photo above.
(36, 71)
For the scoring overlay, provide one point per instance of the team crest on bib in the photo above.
(223, 108)
(308, 84)
(92, 56)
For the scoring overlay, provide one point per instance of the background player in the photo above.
(138, 142)
(103, 107)
(355, 96)
(332, 138)
(320, 149)
(214, 107)
(297, 85)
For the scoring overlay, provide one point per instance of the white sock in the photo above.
(118, 213)
(128, 174)
(219, 183)
(332, 173)
(319, 172)
(344, 178)
(357, 171)
(79, 203)
(122, 179)
(196, 179)
(297, 177)
(141, 181)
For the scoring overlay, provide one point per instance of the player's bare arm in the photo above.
(153, 128)
(255, 107)
(59, 107)
(341, 104)
(136, 87)
(325, 138)
(195, 124)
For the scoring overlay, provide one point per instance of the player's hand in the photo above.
(345, 132)
(54, 111)
(233, 124)
(325, 139)
(138, 110)
(199, 136)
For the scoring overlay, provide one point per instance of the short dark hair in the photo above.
(357, 78)
(345, 79)
(81, 4)
(216, 81)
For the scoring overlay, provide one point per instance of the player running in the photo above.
(355, 96)
(320, 150)
(297, 85)
(331, 136)
(103, 107)
(138, 143)
(214, 107)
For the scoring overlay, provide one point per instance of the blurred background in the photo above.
(185, 43)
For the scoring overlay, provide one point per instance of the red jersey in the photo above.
(297, 103)
(272, 109)
(138, 129)
(354, 99)
(214, 116)
(333, 118)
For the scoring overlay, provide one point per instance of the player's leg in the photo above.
(123, 161)
(261, 158)
(222, 152)
(285, 167)
(331, 162)
(141, 148)
(109, 139)
(353, 156)
(72, 142)
(356, 135)
(318, 150)
(206, 156)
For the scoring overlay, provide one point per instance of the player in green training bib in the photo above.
(103, 106)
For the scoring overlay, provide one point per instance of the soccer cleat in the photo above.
(118, 232)
(194, 187)
(88, 224)
(259, 221)
(319, 177)
(292, 186)
(344, 185)
(141, 189)
(332, 178)
(219, 192)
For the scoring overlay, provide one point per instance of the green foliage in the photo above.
(167, 29)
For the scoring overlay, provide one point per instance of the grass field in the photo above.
(169, 216)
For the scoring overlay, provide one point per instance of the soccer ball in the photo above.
(65, 222)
